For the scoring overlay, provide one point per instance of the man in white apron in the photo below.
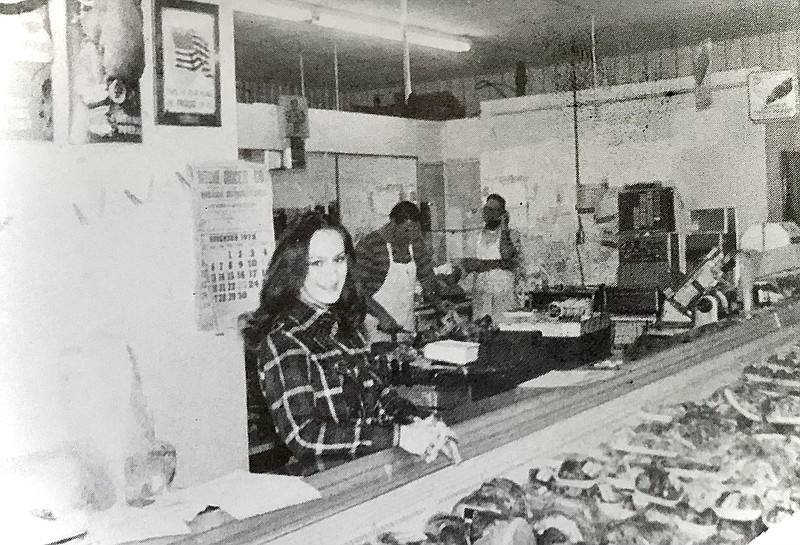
(390, 262)
(492, 284)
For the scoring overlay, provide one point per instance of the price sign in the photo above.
(234, 241)
(772, 95)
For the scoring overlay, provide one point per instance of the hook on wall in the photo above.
(6, 222)
(79, 214)
(133, 198)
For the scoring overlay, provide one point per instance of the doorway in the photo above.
(790, 180)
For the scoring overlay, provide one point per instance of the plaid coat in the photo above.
(328, 402)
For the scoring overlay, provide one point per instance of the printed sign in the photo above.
(234, 240)
(772, 95)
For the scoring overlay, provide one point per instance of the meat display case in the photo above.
(502, 436)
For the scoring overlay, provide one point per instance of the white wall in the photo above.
(345, 132)
(73, 294)
(715, 157)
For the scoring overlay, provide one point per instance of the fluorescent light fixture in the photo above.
(286, 12)
(388, 31)
(378, 28)
(440, 42)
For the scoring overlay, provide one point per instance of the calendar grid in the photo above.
(233, 214)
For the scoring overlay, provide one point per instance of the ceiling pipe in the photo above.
(336, 74)
(594, 58)
(406, 52)
(302, 77)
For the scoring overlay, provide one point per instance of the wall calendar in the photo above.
(234, 240)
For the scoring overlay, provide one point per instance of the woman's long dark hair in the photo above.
(287, 272)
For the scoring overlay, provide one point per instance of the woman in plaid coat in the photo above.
(328, 402)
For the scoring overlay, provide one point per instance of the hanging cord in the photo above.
(580, 235)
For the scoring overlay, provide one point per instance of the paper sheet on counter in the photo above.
(124, 524)
(562, 379)
(242, 494)
(27, 529)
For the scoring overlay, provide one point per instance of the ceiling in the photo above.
(502, 32)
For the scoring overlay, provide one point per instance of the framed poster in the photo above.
(187, 63)
(772, 95)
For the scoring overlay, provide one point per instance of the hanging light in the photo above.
(366, 26)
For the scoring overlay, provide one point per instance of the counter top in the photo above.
(489, 425)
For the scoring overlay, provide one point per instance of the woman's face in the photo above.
(327, 267)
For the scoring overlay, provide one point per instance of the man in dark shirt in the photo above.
(390, 262)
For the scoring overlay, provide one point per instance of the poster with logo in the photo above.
(234, 240)
(772, 95)
(187, 63)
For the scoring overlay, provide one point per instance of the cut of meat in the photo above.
(644, 443)
(739, 506)
(744, 405)
(785, 410)
(615, 511)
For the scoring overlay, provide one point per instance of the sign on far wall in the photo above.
(772, 95)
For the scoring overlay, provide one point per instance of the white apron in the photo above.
(396, 295)
(493, 291)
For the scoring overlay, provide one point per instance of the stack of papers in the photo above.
(457, 352)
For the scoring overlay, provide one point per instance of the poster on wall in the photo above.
(234, 240)
(106, 60)
(293, 116)
(27, 113)
(772, 95)
(187, 64)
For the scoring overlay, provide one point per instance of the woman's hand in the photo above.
(428, 438)
(389, 326)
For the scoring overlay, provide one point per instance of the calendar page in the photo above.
(234, 240)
